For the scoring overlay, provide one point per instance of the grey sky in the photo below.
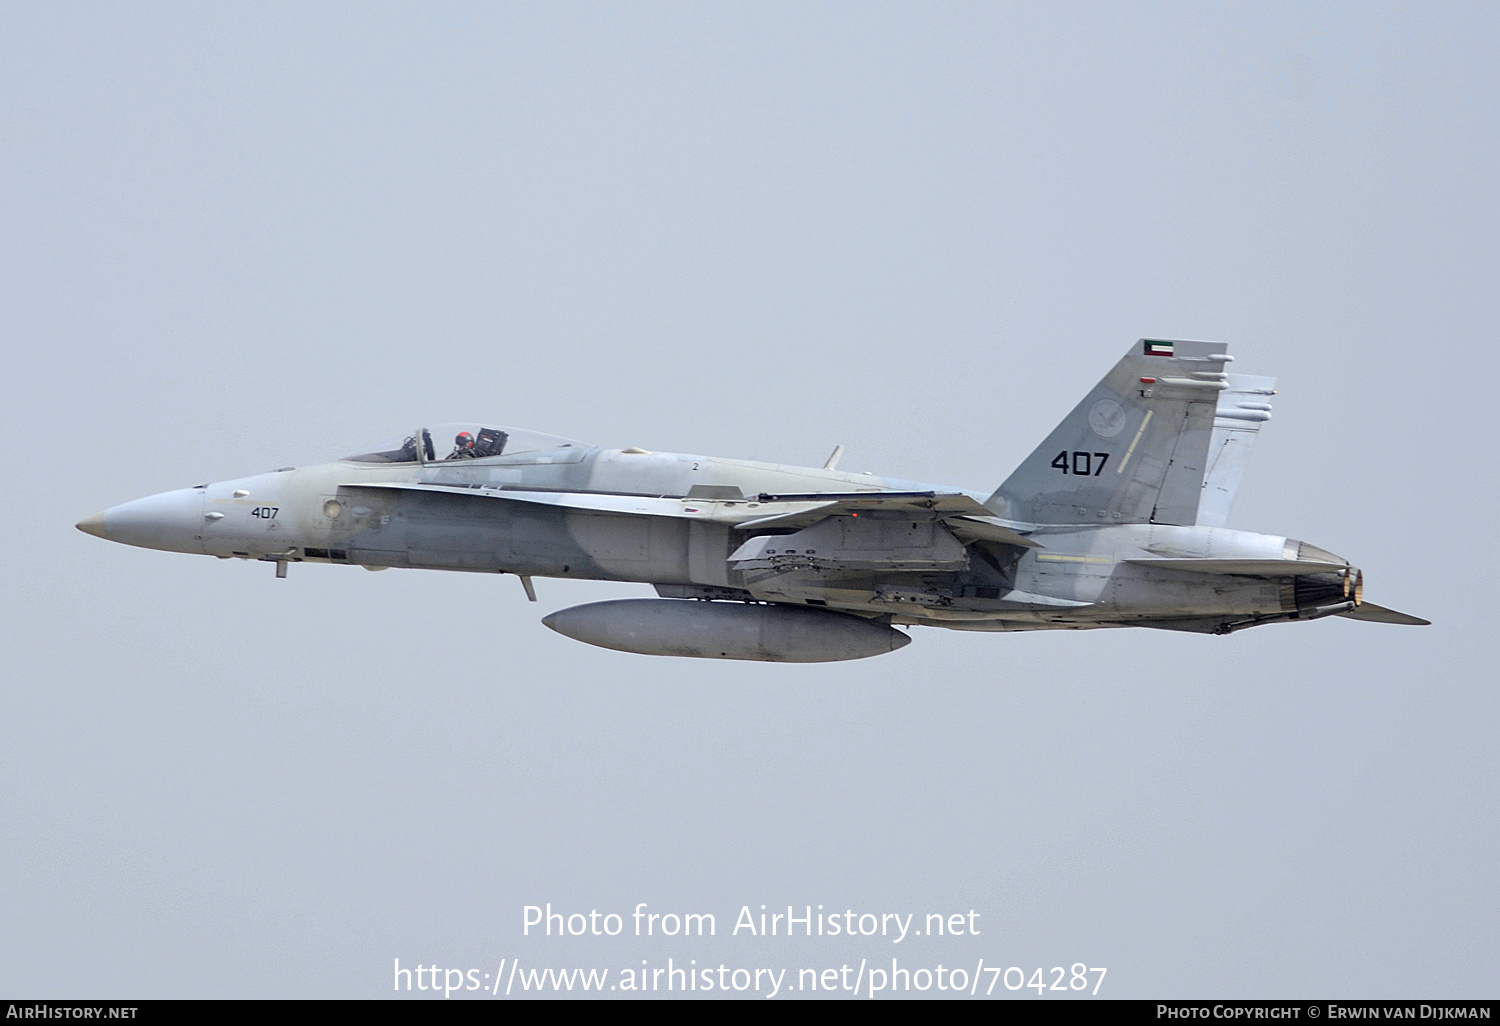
(238, 238)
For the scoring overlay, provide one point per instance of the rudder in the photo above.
(1243, 407)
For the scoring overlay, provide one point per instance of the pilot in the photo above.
(463, 447)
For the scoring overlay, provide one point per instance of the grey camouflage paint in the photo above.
(1115, 520)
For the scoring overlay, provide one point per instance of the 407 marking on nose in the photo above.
(265, 512)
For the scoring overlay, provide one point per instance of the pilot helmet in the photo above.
(464, 440)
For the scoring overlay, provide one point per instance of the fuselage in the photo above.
(1115, 520)
(688, 525)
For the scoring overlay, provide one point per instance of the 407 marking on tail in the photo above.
(1084, 464)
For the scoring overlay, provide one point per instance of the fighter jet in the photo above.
(1116, 520)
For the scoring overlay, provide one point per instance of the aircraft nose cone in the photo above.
(93, 525)
(172, 521)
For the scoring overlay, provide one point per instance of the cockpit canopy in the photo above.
(464, 441)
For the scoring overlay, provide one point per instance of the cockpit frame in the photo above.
(487, 443)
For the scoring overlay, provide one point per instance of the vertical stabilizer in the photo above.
(1243, 407)
(1134, 451)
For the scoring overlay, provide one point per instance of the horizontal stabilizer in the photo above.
(1245, 567)
(1379, 614)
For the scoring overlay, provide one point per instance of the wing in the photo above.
(718, 511)
(968, 517)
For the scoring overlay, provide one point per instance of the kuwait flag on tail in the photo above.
(1158, 348)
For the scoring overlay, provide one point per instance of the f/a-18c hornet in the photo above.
(1115, 521)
